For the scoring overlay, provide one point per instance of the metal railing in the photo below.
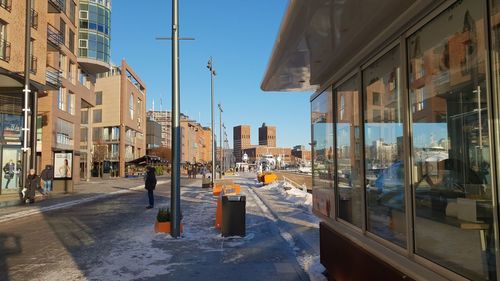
(53, 77)
(33, 64)
(57, 4)
(54, 36)
(5, 50)
(34, 19)
(6, 4)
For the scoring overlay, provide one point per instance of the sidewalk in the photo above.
(84, 191)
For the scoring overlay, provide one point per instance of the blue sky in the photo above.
(238, 34)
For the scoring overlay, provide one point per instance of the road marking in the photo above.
(68, 204)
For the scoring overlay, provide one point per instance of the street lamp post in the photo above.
(220, 143)
(212, 75)
(175, 196)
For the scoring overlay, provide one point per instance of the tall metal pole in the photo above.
(212, 74)
(27, 91)
(175, 195)
(221, 161)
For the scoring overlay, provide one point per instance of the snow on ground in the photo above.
(313, 267)
(133, 259)
(295, 196)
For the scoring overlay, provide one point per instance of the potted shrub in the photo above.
(163, 220)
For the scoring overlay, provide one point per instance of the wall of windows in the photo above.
(95, 30)
(413, 135)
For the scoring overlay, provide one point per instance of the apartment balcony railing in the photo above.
(33, 64)
(53, 77)
(4, 50)
(56, 6)
(54, 37)
(6, 4)
(34, 19)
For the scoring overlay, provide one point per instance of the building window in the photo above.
(84, 118)
(72, 72)
(62, 29)
(64, 132)
(4, 45)
(63, 65)
(72, 11)
(131, 106)
(71, 43)
(323, 151)
(97, 116)
(384, 157)
(71, 103)
(98, 98)
(451, 142)
(349, 162)
(61, 99)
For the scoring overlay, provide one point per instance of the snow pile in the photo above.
(313, 267)
(295, 196)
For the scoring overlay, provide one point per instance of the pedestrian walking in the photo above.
(150, 185)
(47, 176)
(32, 185)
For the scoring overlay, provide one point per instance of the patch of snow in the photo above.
(312, 267)
(136, 259)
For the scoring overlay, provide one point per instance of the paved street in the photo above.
(112, 238)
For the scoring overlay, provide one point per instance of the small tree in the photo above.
(100, 154)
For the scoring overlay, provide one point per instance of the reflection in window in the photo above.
(323, 151)
(384, 163)
(348, 143)
(451, 143)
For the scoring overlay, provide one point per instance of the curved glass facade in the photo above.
(95, 30)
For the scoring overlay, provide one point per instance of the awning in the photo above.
(318, 38)
(145, 160)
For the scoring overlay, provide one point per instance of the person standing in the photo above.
(9, 170)
(32, 185)
(47, 176)
(150, 185)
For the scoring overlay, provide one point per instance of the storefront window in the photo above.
(11, 123)
(451, 142)
(348, 143)
(384, 158)
(323, 153)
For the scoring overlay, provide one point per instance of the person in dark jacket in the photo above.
(32, 185)
(150, 185)
(47, 176)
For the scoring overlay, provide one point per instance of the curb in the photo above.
(22, 214)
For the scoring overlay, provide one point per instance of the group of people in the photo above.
(195, 169)
(33, 184)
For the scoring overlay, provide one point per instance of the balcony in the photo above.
(55, 38)
(53, 77)
(6, 4)
(56, 6)
(34, 19)
(33, 64)
(4, 50)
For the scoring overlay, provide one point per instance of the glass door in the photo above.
(11, 169)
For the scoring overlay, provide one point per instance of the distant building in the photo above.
(153, 135)
(241, 140)
(165, 121)
(256, 152)
(299, 151)
(267, 135)
(119, 117)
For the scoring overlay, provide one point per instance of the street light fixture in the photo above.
(212, 76)
(220, 144)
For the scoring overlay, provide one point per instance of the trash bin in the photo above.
(233, 215)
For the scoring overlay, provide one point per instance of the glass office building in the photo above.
(95, 34)
(405, 133)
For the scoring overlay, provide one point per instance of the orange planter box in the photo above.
(217, 189)
(218, 214)
(164, 227)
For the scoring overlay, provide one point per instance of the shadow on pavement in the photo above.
(10, 245)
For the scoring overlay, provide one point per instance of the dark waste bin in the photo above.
(233, 215)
